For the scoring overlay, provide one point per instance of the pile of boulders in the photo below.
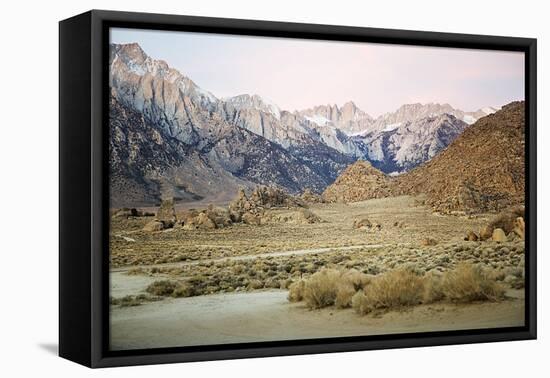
(359, 182)
(258, 208)
(300, 216)
(165, 217)
(309, 197)
(251, 209)
(507, 226)
(211, 218)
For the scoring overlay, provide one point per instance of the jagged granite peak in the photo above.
(348, 118)
(412, 112)
(401, 146)
(483, 169)
(246, 101)
(322, 140)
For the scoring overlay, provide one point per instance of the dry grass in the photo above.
(329, 287)
(162, 288)
(468, 283)
(395, 289)
(320, 289)
(296, 291)
(133, 300)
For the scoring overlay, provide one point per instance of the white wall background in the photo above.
(29, 188)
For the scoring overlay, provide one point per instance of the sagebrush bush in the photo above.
(184, 290)
(344, 293)
(296, 291)
(359, 303)
(163, 287)
(433, 288)
(394, 289)
(356, 278)
(468, 282)
(321, 288)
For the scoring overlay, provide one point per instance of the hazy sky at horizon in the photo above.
(298, 74)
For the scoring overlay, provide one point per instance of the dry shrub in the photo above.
(296, 291)
(359, 303)
(184, 290)
(163, 287)
(344, 295)
(469, 283)
(356, 278)
(433, 288)
(136, 271)
(320, 289)
(333, 287)
(394, 289)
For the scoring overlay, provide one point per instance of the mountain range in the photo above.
(482, 170)
(170, 137)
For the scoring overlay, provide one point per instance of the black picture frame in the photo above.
(83, 201)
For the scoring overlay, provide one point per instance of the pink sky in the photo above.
(298, 74)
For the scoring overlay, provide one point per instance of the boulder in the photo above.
(471, 236)
(166, 213)
(498, 235)
(219, 216)
(428, 242)
(486, 232)
(362, 223)
(519, 228)
(250, 218)
(203, 221)
(153, 226)
(305, 216)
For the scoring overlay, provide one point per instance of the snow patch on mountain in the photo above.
(469, 119)
(392, 126)
(318, 119)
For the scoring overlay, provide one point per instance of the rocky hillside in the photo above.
(171, 138)
(359, 182)
(483, 169)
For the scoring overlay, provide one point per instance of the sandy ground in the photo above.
(225, 257)
(268, 316)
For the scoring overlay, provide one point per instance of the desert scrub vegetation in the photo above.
(468, 283)
(133, 300)
(280, 272)
(328, 287)
(395, 289)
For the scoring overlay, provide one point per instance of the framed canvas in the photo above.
(235, 188)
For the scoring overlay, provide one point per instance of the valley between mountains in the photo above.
(233, 220)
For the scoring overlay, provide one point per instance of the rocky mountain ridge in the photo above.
(482, 170)
(246, 140)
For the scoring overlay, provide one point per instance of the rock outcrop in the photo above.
(166, 213)
(359, 182)
(482, 170)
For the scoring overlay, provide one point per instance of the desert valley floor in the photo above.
(245, 271)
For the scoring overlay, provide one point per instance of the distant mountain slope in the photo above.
(182, 140)
(483, 169)
(401, 146)
(170, 137)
